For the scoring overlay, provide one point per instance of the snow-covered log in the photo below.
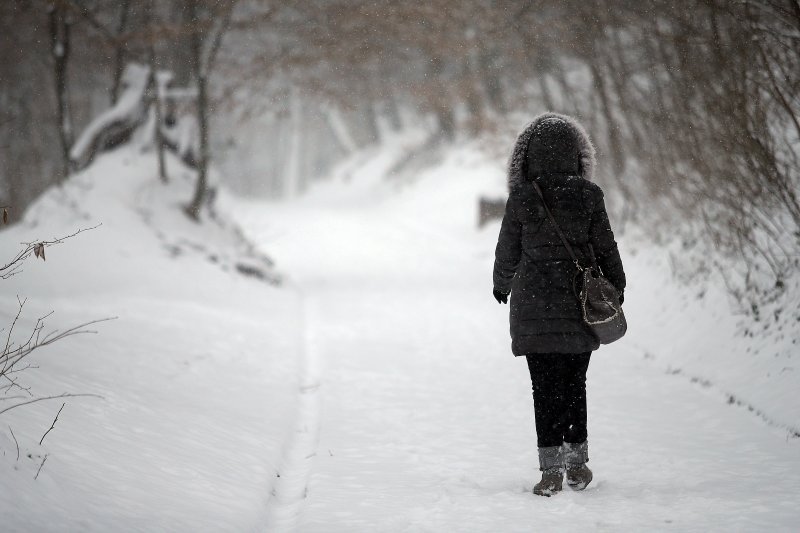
(116, 125)
(132, 112)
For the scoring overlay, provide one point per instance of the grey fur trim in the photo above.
(550, 458)
(576, 454)
(516, 164)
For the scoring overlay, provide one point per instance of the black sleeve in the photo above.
(507, 253)
(605, 247)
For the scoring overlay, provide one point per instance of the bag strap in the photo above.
(556, 227)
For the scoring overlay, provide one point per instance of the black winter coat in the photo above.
(530, 260)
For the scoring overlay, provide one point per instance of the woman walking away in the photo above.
(534, 267)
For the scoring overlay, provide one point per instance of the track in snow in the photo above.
(290, 489)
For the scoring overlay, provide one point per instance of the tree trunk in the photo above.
(341, 132)
(447, 121)
(373, 129)
(202, 65)
(201, 187)
(547, 98)
(155, 87)
(392, 112)
(568, 94)
(292, 173)
(615, 145)
(119, 53)
(492, 83)
(441, 100)
(179, 54)
(59, 48)
(476, 117)
(471, 89)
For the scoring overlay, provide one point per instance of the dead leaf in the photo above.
(38, 250)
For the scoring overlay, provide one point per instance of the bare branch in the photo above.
(12, 383)
(52, 425)
(40, 467)
(13, 323)
(55, 397)
(217, 42)
(14, 355)
(15, 440)
(6, 398)
(89, 17)
(12, 267)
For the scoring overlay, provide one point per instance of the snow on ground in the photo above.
(698, 332)
(375, 389)
(424, 418)
(198, 373)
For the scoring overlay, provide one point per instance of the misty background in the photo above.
(693, 105)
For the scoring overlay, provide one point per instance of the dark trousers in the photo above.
(559, 397)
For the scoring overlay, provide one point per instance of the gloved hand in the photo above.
(501, 297)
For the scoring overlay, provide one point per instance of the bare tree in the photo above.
(157, 98)
(119, 52)
(208, 24)
(60, 28)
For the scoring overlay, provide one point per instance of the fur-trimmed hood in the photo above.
(576, 136)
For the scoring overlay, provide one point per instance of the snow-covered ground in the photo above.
(375, 389)
(198, 373)
(425, 419)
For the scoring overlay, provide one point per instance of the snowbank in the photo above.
(695, 329)
(197, 374)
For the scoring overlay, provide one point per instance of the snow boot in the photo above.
(575, 458)
(551, 463)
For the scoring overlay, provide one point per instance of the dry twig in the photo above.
(14, 354)
(40, 467)
(37, 247)
(55, 397)
(15, 440)
(52, 425)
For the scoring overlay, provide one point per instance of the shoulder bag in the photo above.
(598, 298)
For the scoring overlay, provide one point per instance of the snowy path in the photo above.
(286, 499)
(426, 420)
